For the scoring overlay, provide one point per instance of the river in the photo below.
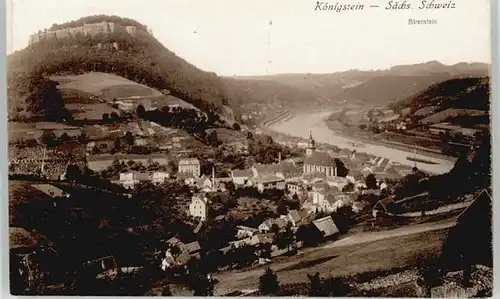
(300, 124)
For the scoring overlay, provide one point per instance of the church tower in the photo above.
(310, 147)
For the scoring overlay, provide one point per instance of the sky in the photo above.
(259, 37)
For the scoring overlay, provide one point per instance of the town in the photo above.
(135, 175)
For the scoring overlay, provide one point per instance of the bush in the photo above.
(268, 283)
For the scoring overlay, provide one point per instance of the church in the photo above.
(318, 161)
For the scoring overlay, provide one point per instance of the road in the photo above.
(351, 255)
(301, 124)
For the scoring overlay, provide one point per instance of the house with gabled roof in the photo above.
(191, 165)
(267, 225)
(299, 217)
(198, 207)
(326, 226)
(245, 231)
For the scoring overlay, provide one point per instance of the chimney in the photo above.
(213, 176)
(279, 158)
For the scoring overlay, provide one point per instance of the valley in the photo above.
(301, 125)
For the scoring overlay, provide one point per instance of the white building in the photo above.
(190, 166)
(268, 182)
(198, 207)
(159, 177)
(130, 179)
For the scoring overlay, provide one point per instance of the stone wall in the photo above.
(87, 29)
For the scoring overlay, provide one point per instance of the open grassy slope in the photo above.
(140, 58)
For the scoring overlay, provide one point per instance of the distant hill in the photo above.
(138, 57)
(465, 101)
(377, 86)
(252, 94)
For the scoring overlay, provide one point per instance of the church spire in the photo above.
(310, 148)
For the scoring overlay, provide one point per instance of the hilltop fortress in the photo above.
(87, 29)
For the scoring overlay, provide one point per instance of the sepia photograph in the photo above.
(249, 148)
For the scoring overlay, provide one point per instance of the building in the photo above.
(268, 224)
(188, 179)
(198, 207)
(299, 217)
(159, 177)
(245, 231)
(444, 128)
(268, 182)
(130, 179)
(316, 161)
(241, 177)
(295, 189)
(326, 226)
(191, 165)
(338, 182)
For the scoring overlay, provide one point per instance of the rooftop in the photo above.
(243, 173)
(49, 190)
(124, 157)
(318, 158)
(189, 161)
(326, 225)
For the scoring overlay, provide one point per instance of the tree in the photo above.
(371, 182)
(282, 208)
(268, 283)
(117, 145)
(82, 138)
(49, 138)
(286, 238)
(129, 138)
(230, 188)
(343, 218)
(275, 229)
(64, 138)
(114, 117)
(250, 136)
(309, 234)
(105, 117)
(141, 111)
(166, 292)
(202, 284)
(73, 173)
(213, 139)
(348, 188)
(316, 287)
(236, 127)
(172, 167)
(342, 170)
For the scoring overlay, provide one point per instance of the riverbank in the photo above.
(300, 124)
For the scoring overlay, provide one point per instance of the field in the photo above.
(22, 131)
(361, 253)
(451, 113)
(83, 90)
(21, 192)
(96, 83)
(89, 111)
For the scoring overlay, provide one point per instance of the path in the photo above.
(239, 280)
